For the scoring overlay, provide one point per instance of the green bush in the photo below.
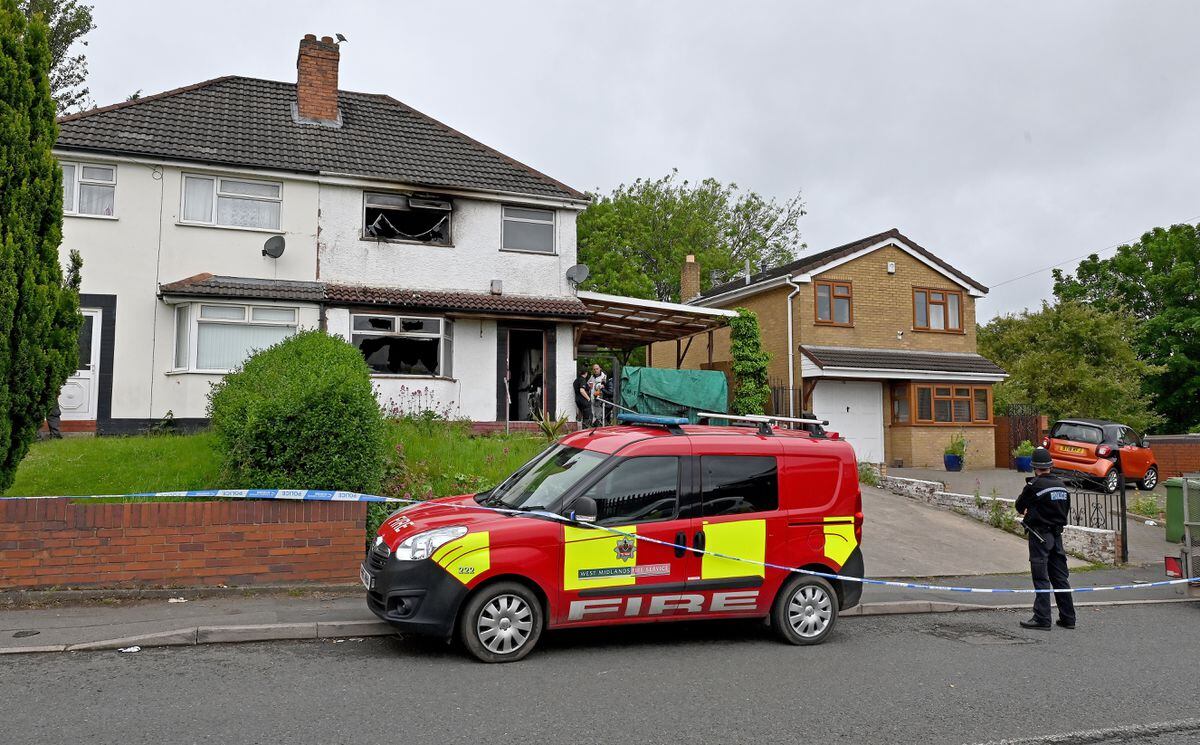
(868, 474)
(300, 415)
(1024, 450)
(957, 446)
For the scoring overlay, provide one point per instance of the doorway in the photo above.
(526, 374)
(79, 396)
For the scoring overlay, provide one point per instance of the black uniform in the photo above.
(582, 402)
(1046, 504)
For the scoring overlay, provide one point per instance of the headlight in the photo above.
(422, 545)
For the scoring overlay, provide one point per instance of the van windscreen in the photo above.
(544, 479)
(1077, 433)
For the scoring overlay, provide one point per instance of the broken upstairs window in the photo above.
(401, 217)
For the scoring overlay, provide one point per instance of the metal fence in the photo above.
(1092, 506)
(1191, 524)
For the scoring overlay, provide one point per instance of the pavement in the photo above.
(955, 679)
(1147, 544)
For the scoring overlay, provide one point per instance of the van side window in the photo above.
(637, 490)
(737, 484)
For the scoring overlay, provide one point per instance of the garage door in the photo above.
(854, 409)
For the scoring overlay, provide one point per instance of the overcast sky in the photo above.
(1003, 136)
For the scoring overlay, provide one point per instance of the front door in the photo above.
(611, 577)
(80, 394)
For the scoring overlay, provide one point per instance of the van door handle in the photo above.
(698, 541)
(680, 543)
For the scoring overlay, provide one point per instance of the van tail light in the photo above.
(1104, 451)
(1174, 566)
(858, 526)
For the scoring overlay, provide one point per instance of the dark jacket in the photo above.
(1045, 502)
(580, 400)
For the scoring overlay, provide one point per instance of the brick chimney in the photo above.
(689, 279)
(317, 80)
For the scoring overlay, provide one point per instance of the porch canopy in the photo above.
(624, 323)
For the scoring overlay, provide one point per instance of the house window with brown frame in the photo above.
(952, 403)
(937, 310)
(835, 303)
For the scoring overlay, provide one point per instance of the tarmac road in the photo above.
(929, 679)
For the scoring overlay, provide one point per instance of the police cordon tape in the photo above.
(319, 495)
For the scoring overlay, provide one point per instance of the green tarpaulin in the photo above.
(655, 390)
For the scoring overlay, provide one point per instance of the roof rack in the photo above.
(764, 421)
(672, 423)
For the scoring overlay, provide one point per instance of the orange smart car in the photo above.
(1096, 452)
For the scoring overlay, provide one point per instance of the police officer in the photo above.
(1045, 504)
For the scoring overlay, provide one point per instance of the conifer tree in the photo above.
(39, 307)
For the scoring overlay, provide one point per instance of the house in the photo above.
(877, 336)
(219, 218)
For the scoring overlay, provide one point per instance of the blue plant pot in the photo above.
(1024, 463)
(953, 462)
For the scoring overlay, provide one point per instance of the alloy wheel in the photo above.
(1112, 481)
(504, 624)
(1150, 480)
(810, 611)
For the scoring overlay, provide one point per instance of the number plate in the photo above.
(1071, 449)
(367, 580)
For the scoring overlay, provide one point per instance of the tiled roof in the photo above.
(901, 359)
(248, 122)
(470, 302)
(806, 263)
(208, 285)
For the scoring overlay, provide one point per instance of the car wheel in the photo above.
(1150, 480)
(501, 622)
(1112, 480)
(805, 611)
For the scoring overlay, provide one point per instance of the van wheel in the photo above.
(1111, 481)
(501, 622)
(805, 611)
(1150, 480)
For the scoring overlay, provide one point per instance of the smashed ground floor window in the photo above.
(404, 345)
(402, 217)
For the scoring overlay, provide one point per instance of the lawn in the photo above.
(439, 459)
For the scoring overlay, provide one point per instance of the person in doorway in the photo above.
(1044, 505)
(596, 384)
(583, 398)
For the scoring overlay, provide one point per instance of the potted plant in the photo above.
(1023, 455)
(955, 453)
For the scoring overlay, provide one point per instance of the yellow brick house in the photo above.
(877, 336)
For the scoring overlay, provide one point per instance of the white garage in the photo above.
(854, 409)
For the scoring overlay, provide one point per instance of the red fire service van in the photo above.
(704, 496)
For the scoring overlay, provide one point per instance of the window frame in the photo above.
(553, 223)
(78, 181)
(362, 223)
(194, 309)
(833, 285)
(217, 194)
(944, 303)
(445, 337)
(973, 410)
(682, 478)
(702, 492)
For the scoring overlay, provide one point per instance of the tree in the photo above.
(1156, 281)
(750, 389)
(39, 310)
(1070, 360)
(69, 21)
(635, 239)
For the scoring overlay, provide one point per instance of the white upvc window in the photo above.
(218, 337)
(528, 229)
(231, 202)
(89, 189)
(404, 345)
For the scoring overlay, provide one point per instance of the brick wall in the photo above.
(56, 543)
(923, 447)
(1176, 454)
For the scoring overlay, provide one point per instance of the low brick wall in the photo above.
(1093, 544)
(1176, 454)
(54, 543)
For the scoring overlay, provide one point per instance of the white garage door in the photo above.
(854, 409)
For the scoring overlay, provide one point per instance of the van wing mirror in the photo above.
(582, 509)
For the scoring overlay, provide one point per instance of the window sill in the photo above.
(951, 332)
(400, 376)
(271, 231)
(402, 242)
(89, 217)
(830, 324)
(196, 372)
(527, 251)
(943, 424)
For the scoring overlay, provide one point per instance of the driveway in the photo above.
(905, 538)
(1147, 544)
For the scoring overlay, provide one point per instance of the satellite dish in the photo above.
(578, 273)
(274, 246)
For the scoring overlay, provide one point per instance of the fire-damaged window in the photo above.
(405, 345)
(403, 217)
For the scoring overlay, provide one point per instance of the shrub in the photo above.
(750, 389)
(868, 474)
(300, 415)
(1024, 450)
(957, 446)
(1145, 506)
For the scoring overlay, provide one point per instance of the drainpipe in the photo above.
(791, 348)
